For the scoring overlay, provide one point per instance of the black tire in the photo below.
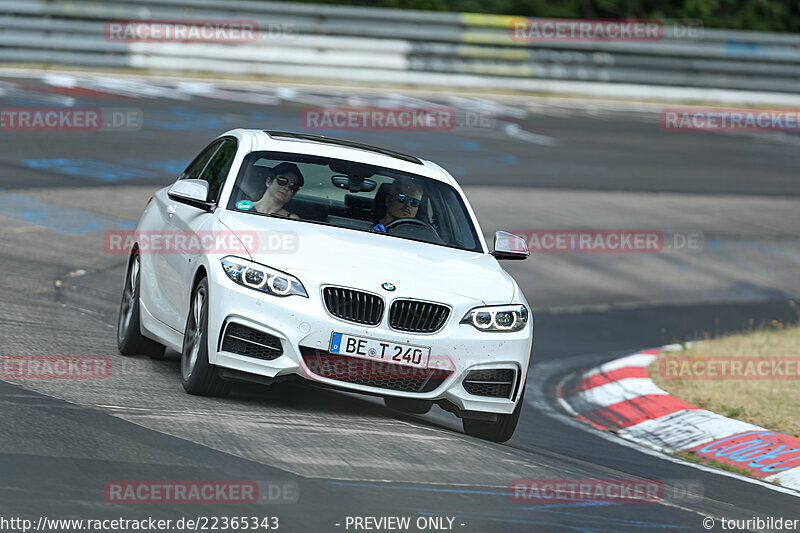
(130, 340)
(499, 431)
(409, 405)
(197, 374)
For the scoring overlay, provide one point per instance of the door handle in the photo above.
(171, 210)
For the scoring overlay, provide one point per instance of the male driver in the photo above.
(403, 200)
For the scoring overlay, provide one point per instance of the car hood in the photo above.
(358, 259)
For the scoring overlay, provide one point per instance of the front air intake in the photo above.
(494, 383)
(250, 342)
(376, 374)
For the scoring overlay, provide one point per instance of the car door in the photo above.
(188, 220)
(164, 289)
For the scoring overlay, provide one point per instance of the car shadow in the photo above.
(306, 396)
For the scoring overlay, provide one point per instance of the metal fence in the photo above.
(393, 46)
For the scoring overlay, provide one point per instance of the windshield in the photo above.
(353, 196)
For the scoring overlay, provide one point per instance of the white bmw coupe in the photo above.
(280, 255)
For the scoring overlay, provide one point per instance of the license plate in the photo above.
(378, 350)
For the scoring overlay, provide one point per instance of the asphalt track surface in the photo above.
(61, 442)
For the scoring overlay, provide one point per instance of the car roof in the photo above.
(332, 141)
(322, 145)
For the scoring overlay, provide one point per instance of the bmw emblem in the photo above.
(388, 286)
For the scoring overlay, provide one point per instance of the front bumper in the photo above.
(303, 327)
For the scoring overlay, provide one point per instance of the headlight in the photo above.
(498, 318)
(262, 278)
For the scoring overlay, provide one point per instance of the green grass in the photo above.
(729, 468)
(688, 457)
(734, 412)
(694, 458)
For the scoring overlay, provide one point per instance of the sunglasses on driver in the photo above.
(413, 202)
(284, 181)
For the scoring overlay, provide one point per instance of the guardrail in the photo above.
(394, 46)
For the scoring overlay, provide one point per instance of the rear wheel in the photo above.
(499, 431)
(197, 374)
(130, 340)
(408, 405)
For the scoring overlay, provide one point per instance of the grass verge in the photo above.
(773, 404)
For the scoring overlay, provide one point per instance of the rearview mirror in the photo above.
(192, 192)
(509, 246)
(354, 183)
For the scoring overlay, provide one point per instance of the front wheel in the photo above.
(197, 374)
(130, 340)
(499, 431)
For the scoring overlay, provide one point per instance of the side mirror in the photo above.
(192, 192)
(509, 246)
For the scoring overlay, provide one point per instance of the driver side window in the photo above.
(212, 166)
(195, 169)
(217, 169)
